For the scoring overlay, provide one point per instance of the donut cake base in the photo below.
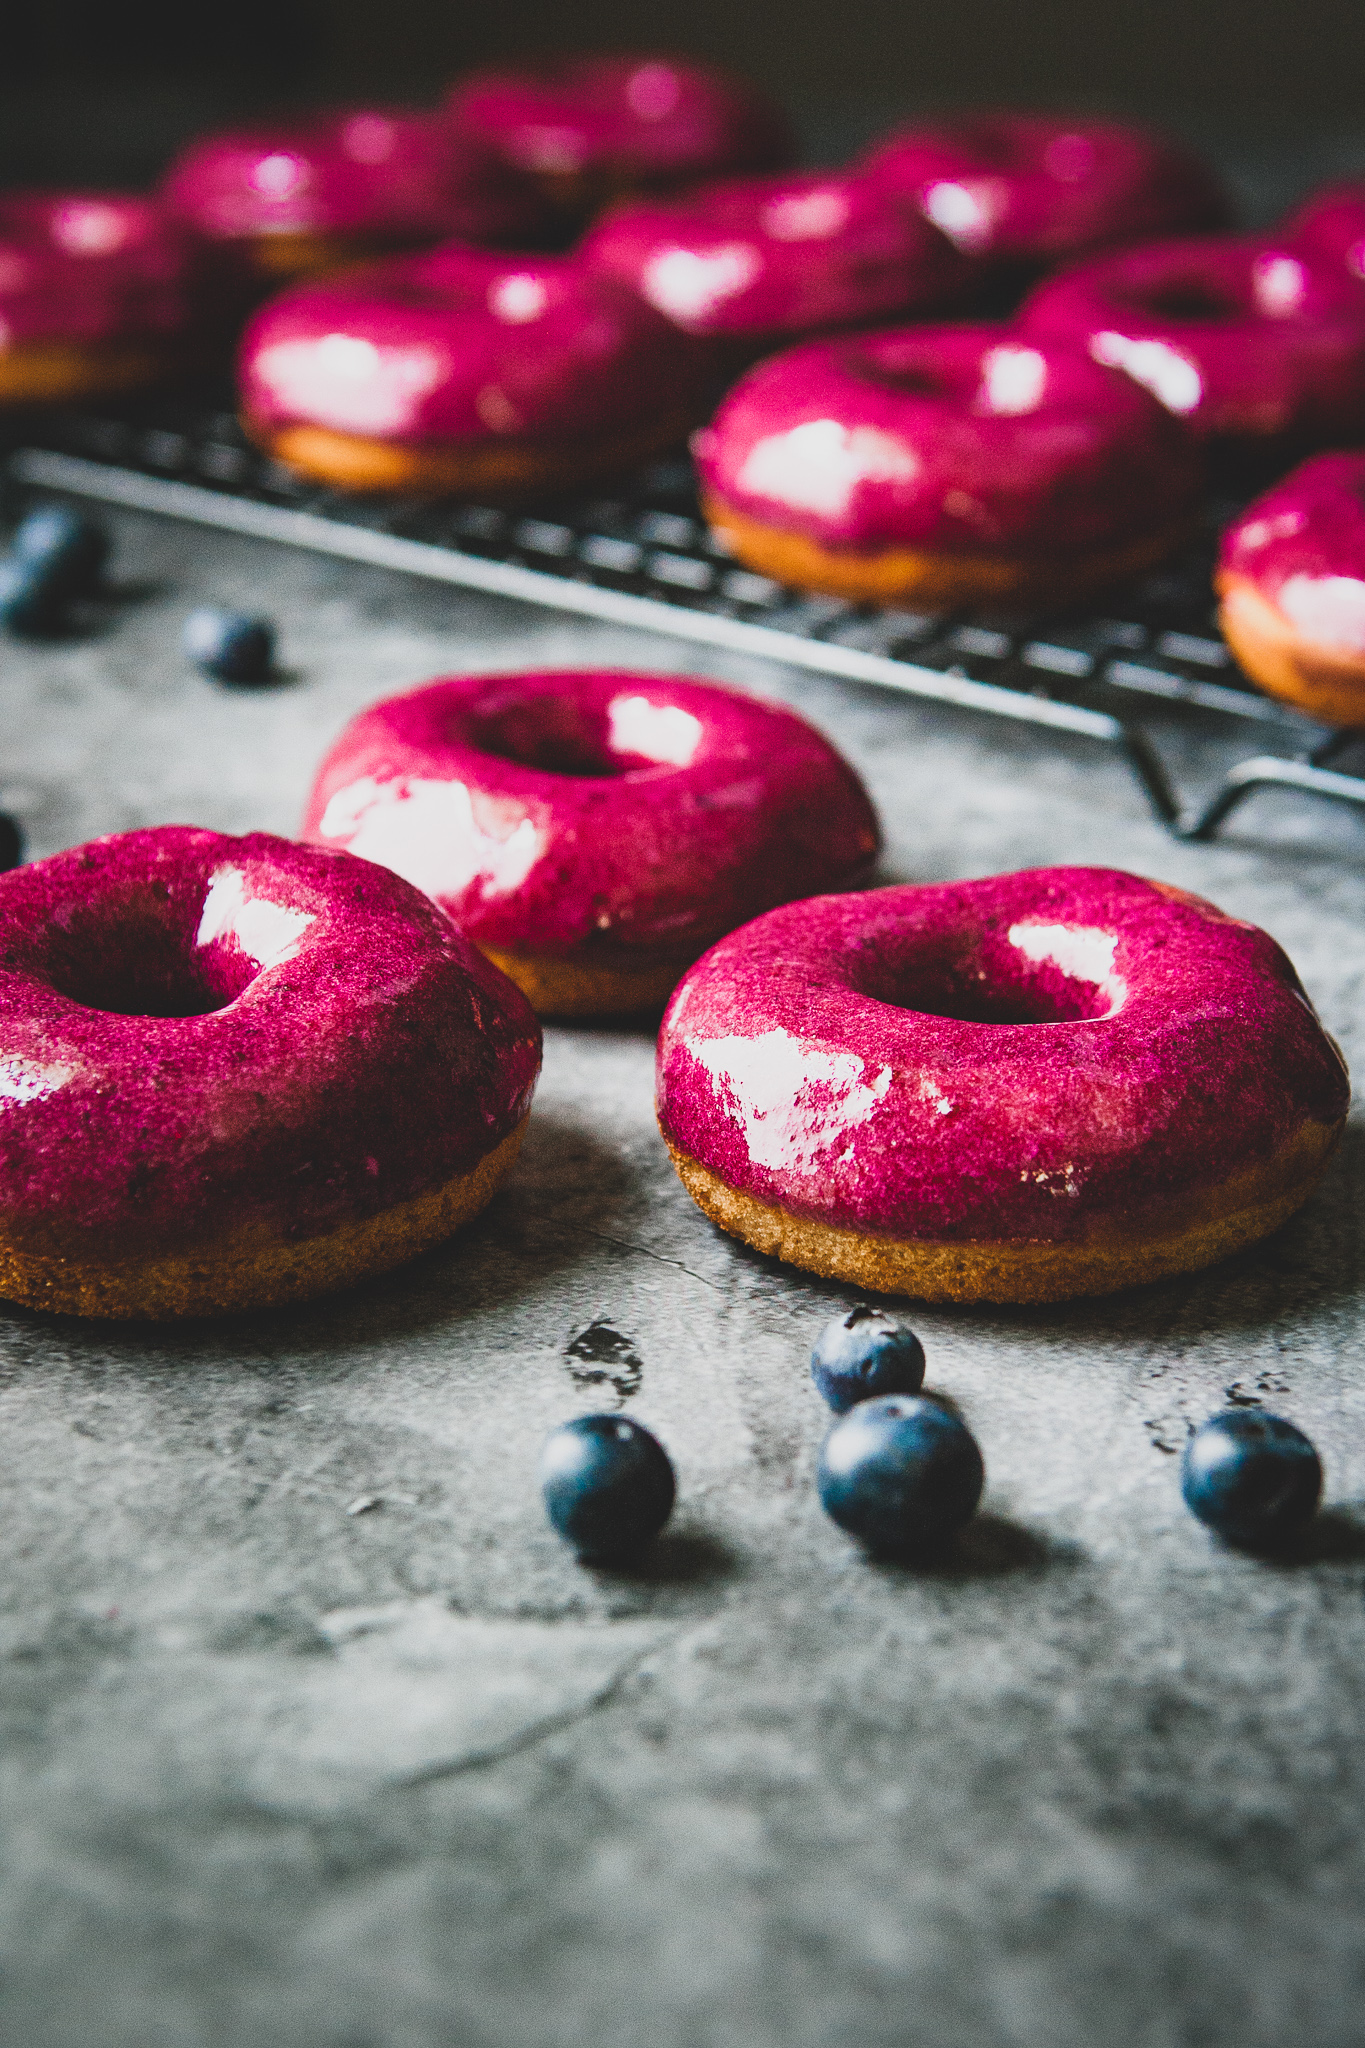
(251, 1267)
(570, 988)
(1326, 682)
(939, 581)
(351, 462)
(52, 372)
(1228, 1219)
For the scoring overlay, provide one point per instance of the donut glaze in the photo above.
(944, 464)
(1029, 189)
(1105, 1081)
(1291, 579)
(460, 369)
(758, 260)
(99, 292)
(593, 127)
(1332, 224)
(299, 198)
(593, 830)
(238, 1072)
(1237, 336)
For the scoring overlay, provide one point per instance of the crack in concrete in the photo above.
(624, 1244)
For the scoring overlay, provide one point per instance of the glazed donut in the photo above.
(1331, 223)
(237, 1073)
(593, 128)
(463, 371)
(945, 466)
(593, 831)
(1026, 1088)
(100, 292)
(289, 201)
(753, 262)
(1291, 584)
(1239, 337)
(1034, 190)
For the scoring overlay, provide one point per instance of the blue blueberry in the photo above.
(900, 1473)
(608, 1485)
(864, 1354)
(1253, 1478)
(66, 551)
(231, 646)
(27, 603)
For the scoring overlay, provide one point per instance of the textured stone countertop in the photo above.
(279, 1772)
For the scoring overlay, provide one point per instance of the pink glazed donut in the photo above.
(1021, 1089)
(1029, 190)
(593, 128)
(239, 1072)
(290, 200)
(753, 262)
(1291, 579)
(592, 831)
(945, 466)
(1332, 224)
(463, 371)
(100, 292)
(1237, 336)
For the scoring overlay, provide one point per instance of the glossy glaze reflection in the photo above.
(460, 345)
(199, 1032)
(1302, 545)
(1090, 1047)
(957, 438)
(767, 258)
(1235, 335)
(594, 812)
(1033, 188)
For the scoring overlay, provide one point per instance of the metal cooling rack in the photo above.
(1153, 681)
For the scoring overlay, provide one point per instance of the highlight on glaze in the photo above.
(93, 267)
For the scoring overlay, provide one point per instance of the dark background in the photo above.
(90, 88)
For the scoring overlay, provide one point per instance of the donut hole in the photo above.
(136, 959)
(1188, 299)
(989, 991)
(560, 734)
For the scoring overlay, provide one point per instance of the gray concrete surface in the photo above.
(277, 1770)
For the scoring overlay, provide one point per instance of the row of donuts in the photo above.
(243, 1072)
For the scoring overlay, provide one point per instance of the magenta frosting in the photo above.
(1331, 223)
(766, 258)
(636, 119)
(351, 1051)
(1089, 1046)
(379, 173)
(597, 814)
(94, 266)
(461, 345)
(965, 439)
(1303, 547)
(1236, 335)
(1034, 188)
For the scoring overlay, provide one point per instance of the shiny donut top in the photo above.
(1036, 188)
(1303, 546)
(1332, 223)
(1235, 333)
(88, 266)
(970, 440)
(463, 345)
(625, 120)
(369, 171)
(777, 256)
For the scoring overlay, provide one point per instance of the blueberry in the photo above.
(1253, 1478)
(65, 550)
(230, 645)
(608, 1485)
(864, 1354)
(901, 1473)
(27, 603)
